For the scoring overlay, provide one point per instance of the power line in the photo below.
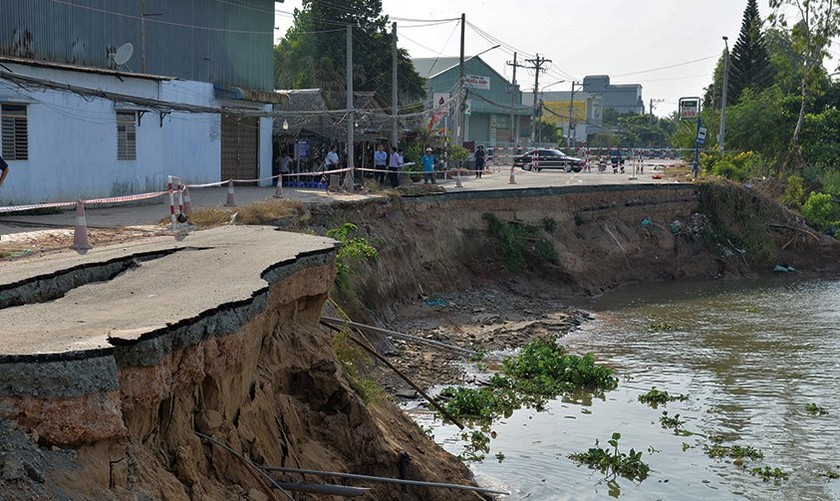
(667, 67)
(158, 21)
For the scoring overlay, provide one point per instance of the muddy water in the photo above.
(751, 356)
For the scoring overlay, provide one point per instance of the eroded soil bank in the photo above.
(275, 391)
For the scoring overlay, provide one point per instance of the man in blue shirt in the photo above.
(380, 161)
(428, 162)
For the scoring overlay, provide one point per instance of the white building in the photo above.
(73, 132)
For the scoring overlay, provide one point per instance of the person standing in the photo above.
(285, 162)
(479, 162)
(394, 165)
(380, 162)
(428, 162)
(332, 159)
(4, 171)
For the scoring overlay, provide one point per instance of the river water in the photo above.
(750, 355)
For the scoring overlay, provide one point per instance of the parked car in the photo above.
(549, 159)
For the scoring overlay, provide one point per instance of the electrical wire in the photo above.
(158, 21)
(667, 67)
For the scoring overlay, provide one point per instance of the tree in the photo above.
(313, 52)
(712, 95)
(750, 66)
(819, 21)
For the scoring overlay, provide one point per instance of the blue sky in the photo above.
(670, 47)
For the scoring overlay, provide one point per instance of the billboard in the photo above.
(689, 107)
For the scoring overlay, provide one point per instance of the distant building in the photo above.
(593, 98)
(586, 112)
(108, 101)
(495, 113)
(623, 98)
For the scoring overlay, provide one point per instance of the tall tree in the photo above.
(750, 66)
(313, 52)
(819, 21)
(712, 95)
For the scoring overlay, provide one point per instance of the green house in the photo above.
(493, 106)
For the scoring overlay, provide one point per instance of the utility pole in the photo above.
(459, 110)
(569, 141)
(537, 63)
(351, 115)
(513, 135)
(394, 124)
(143, 36)
(723, 97)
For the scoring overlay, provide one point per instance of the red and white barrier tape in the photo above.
(109, 200)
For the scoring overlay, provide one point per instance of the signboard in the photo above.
(468, 108)
(701, 135)
(302, 148)
(477, 82)
(689, 107)
(440, 101)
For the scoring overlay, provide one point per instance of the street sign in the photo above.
(689, 107)
(302, 148)
(701, 135)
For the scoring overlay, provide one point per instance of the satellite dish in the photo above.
(123, 54)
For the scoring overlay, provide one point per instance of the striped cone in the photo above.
(278, 193)
(458, 180)
(80, 233)
(230, 201)
(512, 176)
(187, 202)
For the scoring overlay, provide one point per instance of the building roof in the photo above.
(430, 67)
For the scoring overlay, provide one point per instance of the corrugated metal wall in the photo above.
(220, 41)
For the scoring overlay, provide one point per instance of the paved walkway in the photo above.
(152, 214)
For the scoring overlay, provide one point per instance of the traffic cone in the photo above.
(187, 201)
(458, 180)
(512, 177)
(278, 192)
(80, 233)
(230, 201)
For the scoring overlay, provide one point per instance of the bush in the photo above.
(729, 170)
(794, 192)
(821, 212)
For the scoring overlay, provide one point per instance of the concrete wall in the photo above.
(73, 139)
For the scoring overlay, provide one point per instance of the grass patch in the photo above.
(356, 365)
(517, 241)
(266, 212)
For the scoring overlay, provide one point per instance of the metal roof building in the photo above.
(200, 40)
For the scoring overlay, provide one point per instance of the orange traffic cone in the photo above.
(512, 176)
(187, 202)
(80, 233)
(230, 201)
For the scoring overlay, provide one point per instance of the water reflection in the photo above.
(750, 355)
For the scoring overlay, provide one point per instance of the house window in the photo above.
(15, 132)
(126, 135)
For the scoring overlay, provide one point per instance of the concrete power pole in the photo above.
(569, 141)
(351, 115)
(723, 97)
(394, 123)
(459, 110)
(537, 63)
(513, 135)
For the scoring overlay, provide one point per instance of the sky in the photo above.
(670, 47)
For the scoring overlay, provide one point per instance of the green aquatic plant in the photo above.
(816, 410)
(662, 326)
(614, 462)
(671, 422)
(542, 370)
(831, 474)
(768, 473)
(655, 397)
(477, 447)
(718, 450)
